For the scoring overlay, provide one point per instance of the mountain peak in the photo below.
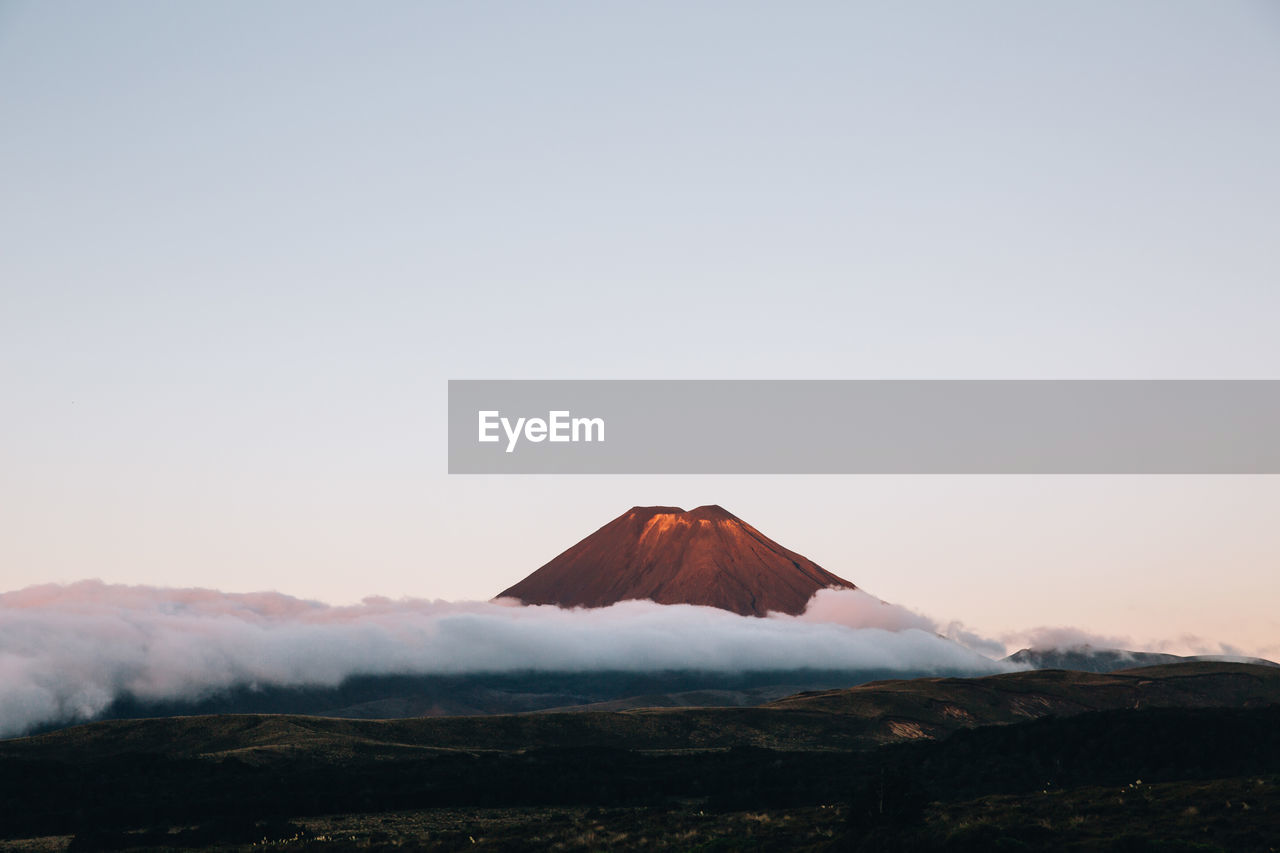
(713, 512)
(709, 512)
(666, 554)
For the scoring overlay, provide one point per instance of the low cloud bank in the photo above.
(67, 652)
(858, 609)
(1067, 638)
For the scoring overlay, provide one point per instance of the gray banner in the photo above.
(863, 427)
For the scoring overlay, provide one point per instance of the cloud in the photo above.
(1067, 638)
(67, 652)
(958, 632)
(1190, 644)
(858, 609)
(1064, 637)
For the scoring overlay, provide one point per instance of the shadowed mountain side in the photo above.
(1089, 659)
(382, 697)
(996, 699)
(705, 556)
(747, 698)
(857, 718)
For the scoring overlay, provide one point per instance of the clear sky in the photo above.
(244, 245)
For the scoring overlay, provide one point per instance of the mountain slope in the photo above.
(1086, 658)
(705, 556)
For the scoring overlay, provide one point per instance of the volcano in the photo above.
(705, 556)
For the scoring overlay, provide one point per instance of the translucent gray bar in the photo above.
(870, 427)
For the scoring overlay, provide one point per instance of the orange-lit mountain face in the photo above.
(705, 556)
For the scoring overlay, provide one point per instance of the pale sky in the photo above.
(245, 245)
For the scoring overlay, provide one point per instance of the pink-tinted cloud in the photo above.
(858, 609)
(1064, 637)
(67, 652)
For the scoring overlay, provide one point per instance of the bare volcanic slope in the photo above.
(705, 556)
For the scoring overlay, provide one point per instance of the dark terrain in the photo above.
(1178, 757)
(386, 697)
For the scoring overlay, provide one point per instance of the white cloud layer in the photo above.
(66, 652)
(1067, 637)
